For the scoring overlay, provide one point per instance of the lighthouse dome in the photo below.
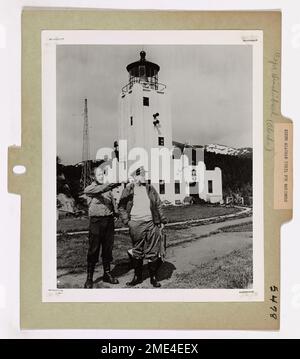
(143, 67)
(144, 73)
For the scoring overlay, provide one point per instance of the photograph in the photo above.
(152, 166)
(187, 99)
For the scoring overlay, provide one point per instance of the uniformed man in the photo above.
(102, 209)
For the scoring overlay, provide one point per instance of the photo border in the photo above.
(34, 314)
(50, 41)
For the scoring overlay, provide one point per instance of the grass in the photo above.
(231, 271)
(72, 251)
(173, 213)
(244, 227)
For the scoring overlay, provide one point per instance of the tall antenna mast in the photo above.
(86, 163)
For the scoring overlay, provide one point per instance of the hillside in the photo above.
(231, 151)
(236, 172)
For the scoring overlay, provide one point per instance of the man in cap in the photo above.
(141, 209)
(102, 209)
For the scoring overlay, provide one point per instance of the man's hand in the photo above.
(161, 226)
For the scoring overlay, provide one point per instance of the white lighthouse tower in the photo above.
(145, 124)
(145, 116)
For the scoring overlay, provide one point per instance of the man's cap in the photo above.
(139, 171)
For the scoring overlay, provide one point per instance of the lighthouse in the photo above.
(145, 124)
(145, 115)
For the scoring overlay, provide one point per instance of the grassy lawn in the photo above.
(72, 251)
(244, 227)
(231, 271)
(173, 213)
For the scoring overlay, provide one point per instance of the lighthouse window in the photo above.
(142, 71)
(210, 186)
(161, 141)
(131, 121)
(146, 101)
(162, 189)
(177, 187)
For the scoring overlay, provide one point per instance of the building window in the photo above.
(210, 186)
(131, 121)
(162, 189)
(177, 187)
(194, 175)
(161, 141)
(146, 101)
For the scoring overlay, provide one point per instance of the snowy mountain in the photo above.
(230, 151)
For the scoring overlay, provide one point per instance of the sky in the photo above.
(210, 90)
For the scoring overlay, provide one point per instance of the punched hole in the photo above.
(19, 170)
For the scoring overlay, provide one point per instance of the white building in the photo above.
(145, 121)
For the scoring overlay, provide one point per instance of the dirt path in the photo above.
(196, 246)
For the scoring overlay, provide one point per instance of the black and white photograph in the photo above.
(155, 167)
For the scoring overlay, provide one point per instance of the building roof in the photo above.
(150, 67)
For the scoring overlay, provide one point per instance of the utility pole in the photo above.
(86, 163)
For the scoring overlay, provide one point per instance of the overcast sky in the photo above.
(210, 87)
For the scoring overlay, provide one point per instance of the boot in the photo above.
(107, 276)
(89, 279)
(153, 268)
(131, 261)
(138, 272)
